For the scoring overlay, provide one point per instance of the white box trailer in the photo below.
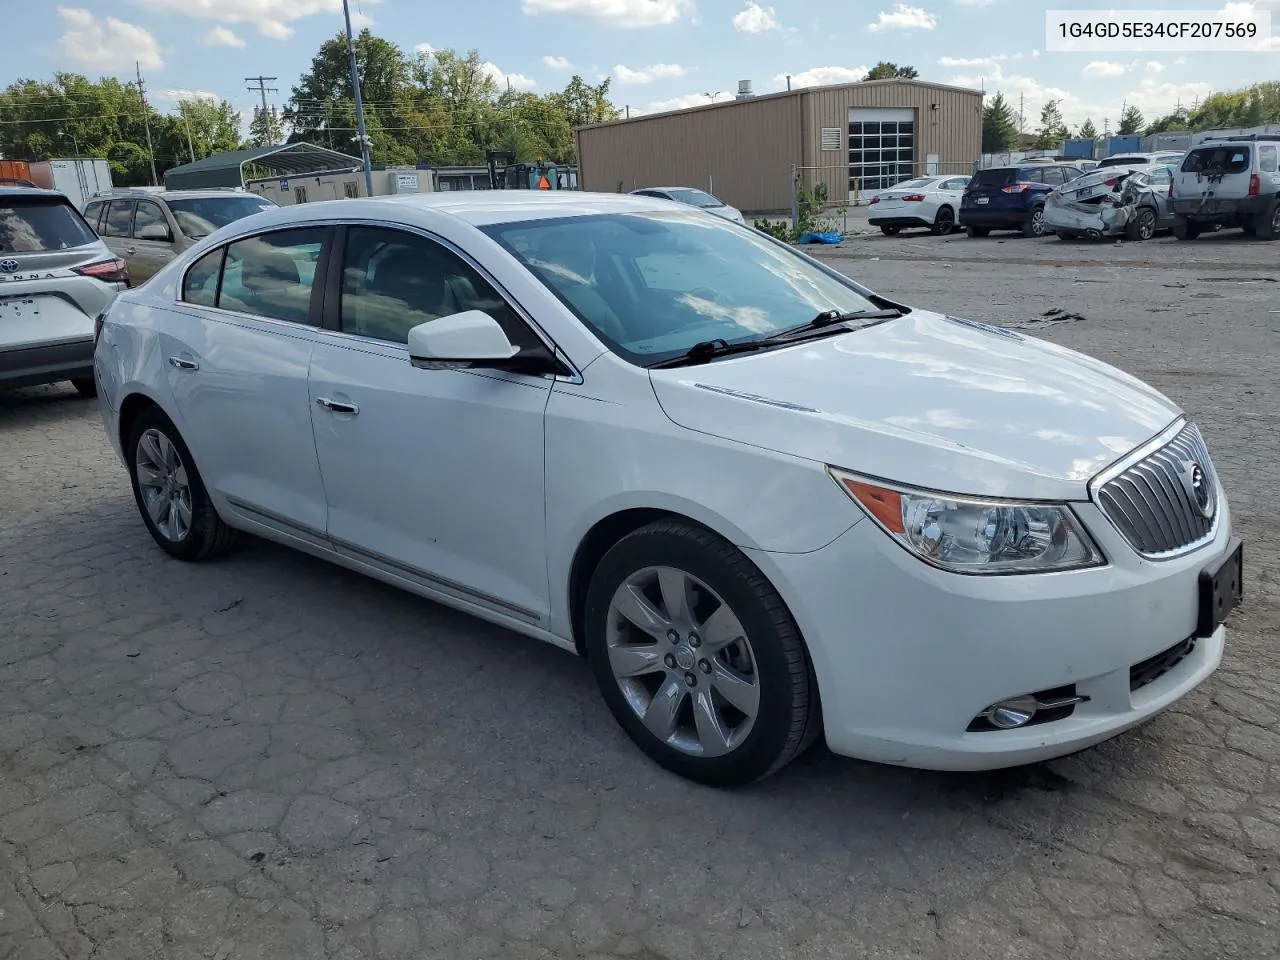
(78, 177)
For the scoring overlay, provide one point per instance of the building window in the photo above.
(881, 153)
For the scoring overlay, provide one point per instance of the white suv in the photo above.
(1232, 181)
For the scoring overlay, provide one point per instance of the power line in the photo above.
(262, 88)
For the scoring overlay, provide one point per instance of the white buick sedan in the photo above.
(764, 502)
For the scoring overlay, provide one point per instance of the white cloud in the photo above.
(754, 18)
(107, 45)
(222, 37)
(975, 3)
(271, 17)
(425, 49)
(617, 13)
(820, 77)
(657, 71)
(684, 103)
(558, 63)
(516, 81)
(360, 20)
(1104, 68)
(1180, 61)
(1155, 66)
(903, 18)
(972, 61)
(174, 95)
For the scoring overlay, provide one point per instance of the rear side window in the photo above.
(1055, 176)
(200, 286)
(32, 224)
(271, 275)
(1031, 175)
(1217, 160)
(995, 177)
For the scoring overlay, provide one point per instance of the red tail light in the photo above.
(914, 197)
(1016, 188)
(111, 271)
(1113, 181)
(1255, 185)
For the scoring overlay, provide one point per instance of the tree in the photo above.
(884, 70)
(1131, 122)
(202, 127)
(1052, 130)
(266, 128)
(999, 127)
(1087, 131)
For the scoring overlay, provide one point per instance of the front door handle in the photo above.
(183, 364)
(337, 406)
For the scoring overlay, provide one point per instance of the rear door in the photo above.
(1214, 172)
(116, 228)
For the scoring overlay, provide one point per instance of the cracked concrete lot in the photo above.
(268, 758)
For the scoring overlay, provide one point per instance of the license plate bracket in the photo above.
(1221, 589)
(983, 199)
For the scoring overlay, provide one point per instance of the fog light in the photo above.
(1008, 714)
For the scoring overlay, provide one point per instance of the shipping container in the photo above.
(1079, 149)
(1125, 144)
(78, 177)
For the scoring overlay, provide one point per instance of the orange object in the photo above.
(15, 170)
(544, 184)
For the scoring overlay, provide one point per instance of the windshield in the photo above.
(200, 217)
(651, 285)
(1124, 161)
(917, 182)
(695, 198)
(29, 225)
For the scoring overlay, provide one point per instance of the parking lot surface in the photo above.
(270, 757)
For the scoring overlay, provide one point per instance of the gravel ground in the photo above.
(269, 757)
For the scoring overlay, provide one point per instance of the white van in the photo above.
(1231, 181)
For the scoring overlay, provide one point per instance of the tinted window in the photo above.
(148, 214)
(200, 216)
(271, 275)
(1031, 175)
(1053, 175)
(1217, 160)
(995, 177)
(119, 219)
(30, 224)
(1267, 158)
(201, 282)
(93, 211)
(392, 281)
(653, 284)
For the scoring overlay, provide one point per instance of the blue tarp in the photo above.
(831, 236)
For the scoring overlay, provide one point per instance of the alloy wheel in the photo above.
(683, 662)
(945, 221)
(163, 485)
(1037, 223)
(1146, 224)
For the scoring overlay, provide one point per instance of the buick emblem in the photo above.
(1198, 488)
(9, 266)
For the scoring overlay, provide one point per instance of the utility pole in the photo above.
(191, 149)
(355, 87)
(146, 123)
(1022, 99)
(262, 89)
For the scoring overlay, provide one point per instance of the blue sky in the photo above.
(661, 54)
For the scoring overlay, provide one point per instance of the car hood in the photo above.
(929, 401)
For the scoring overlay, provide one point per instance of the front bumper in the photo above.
(23, 366)
(907, 656)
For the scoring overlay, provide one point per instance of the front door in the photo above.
(433, 475)
(237, 356)
(147, 256)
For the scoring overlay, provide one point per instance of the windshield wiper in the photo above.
(705, 350)
(828, 317)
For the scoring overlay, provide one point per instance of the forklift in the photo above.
(506, 174)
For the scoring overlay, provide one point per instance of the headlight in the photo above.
(967, 535)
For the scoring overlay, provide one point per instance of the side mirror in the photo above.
(470, 337)
(155, 231)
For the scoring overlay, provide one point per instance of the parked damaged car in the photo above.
(1112, 201)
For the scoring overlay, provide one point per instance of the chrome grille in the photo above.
(1153, 503)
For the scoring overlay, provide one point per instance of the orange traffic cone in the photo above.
(544, 184)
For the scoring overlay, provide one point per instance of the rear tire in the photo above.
(169, 493)
(1185, 229)
(889, 231)
(1143, 226)
(1268, 223)
(1034, 227)
(977, 231)
(87, 387)
(733, 697)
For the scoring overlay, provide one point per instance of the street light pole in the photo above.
(355, 86)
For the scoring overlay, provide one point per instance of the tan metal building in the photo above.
(854, 137)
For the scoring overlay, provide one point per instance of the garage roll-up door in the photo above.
(882, 147)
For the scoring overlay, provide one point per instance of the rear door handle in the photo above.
(183, 364)
(337, 406)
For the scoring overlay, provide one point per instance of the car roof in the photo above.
(699, 189)
(127, 193)
(16, 191)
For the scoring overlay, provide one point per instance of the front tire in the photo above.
(1268, 223)
(889, 231)
(1034, 227)
(697, 656)
(1185, 229)
(977, 231)
(87, 387)
(170, 494)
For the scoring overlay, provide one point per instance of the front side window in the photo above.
(148, 214)
(392, 281)
(653, 284)
(272, 274)
(92, 212)
(200, 286)
(200, 216)
(29, 224)
(119, 219)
